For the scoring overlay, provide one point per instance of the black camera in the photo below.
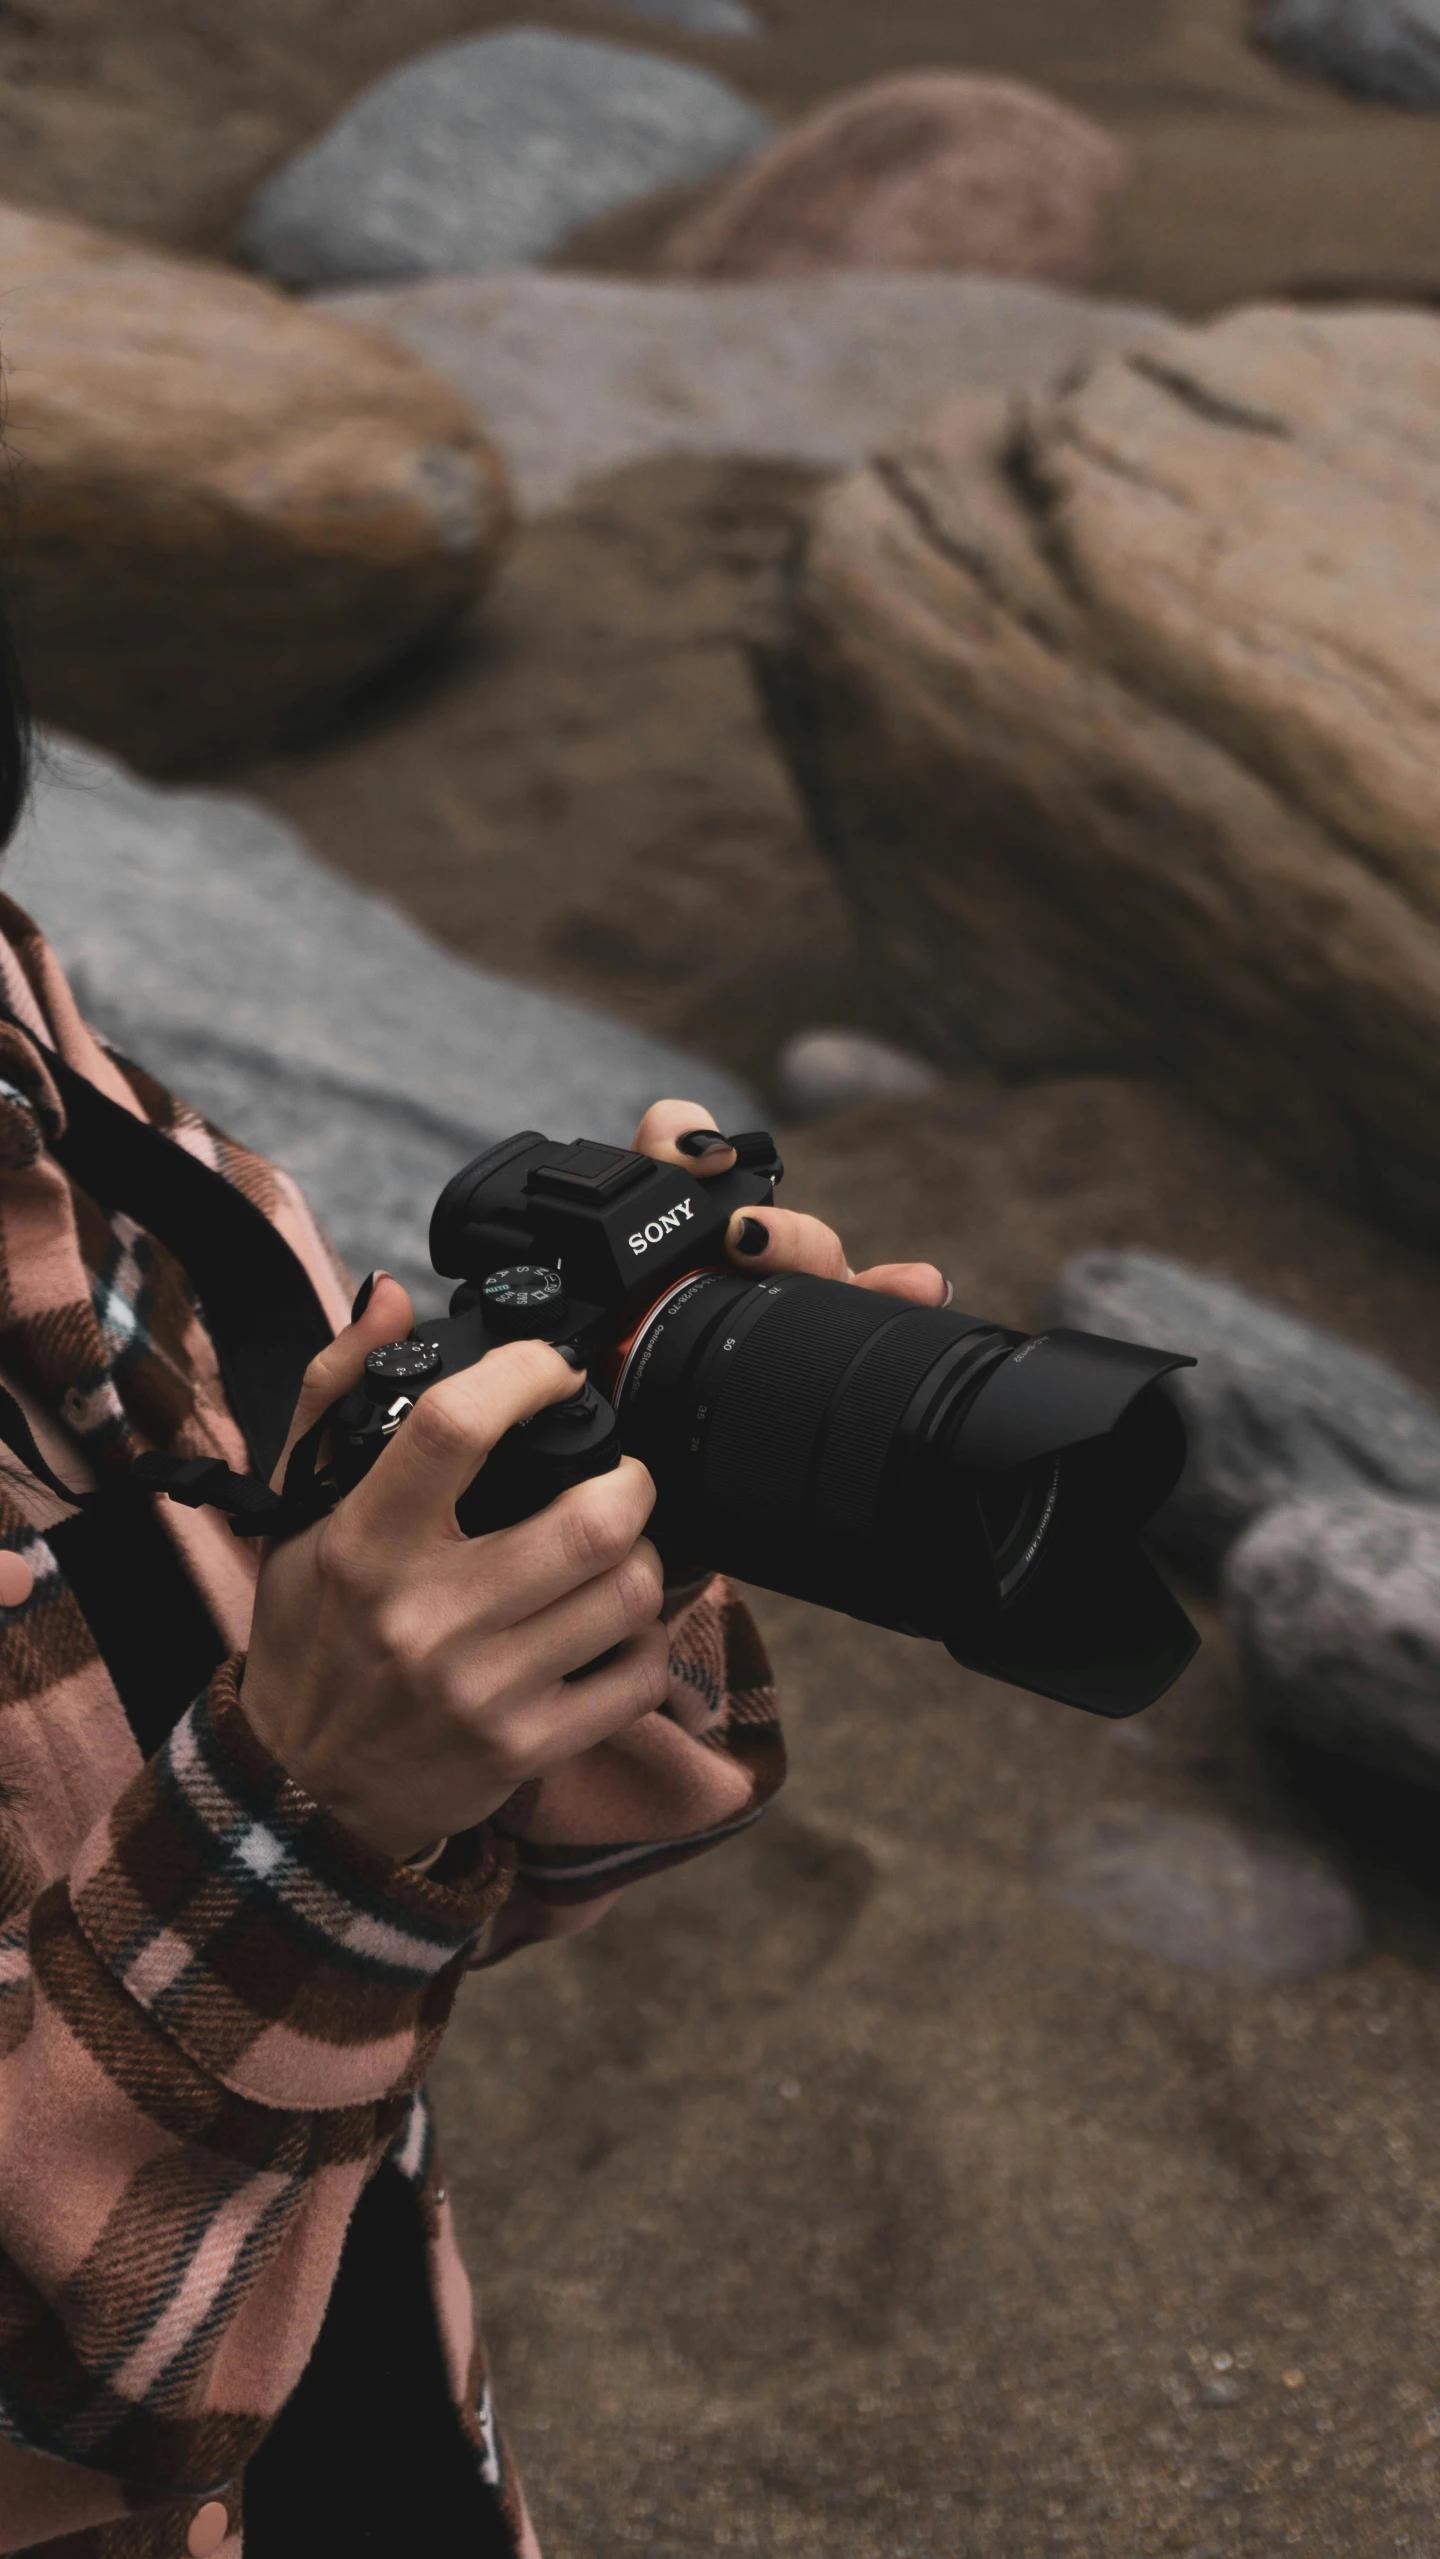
(911, 1466)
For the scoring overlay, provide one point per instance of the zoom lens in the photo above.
(917, 1468)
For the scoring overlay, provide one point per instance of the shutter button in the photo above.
(16, 1580)
(208, 2529)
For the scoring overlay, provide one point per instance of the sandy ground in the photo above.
(162, 115)
(584, 794)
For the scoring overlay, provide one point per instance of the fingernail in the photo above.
(754, 1236)
(569, 1354)
(364, 1293)
(702, 1141)
(949, 1297)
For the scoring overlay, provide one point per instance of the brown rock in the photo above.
(932, 169)
(231, 511)
(1119, 712)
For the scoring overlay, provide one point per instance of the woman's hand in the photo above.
(764, 1240)
(410, 1677)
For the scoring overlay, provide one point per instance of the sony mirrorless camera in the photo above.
(912, 1466)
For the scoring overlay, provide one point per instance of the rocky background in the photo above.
(880, 565)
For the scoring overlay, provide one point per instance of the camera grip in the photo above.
(540, 1459)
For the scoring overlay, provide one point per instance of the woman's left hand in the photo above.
(763, 1240)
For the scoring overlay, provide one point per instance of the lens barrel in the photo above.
(918, 1468)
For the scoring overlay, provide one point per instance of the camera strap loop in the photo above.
(253, 1509)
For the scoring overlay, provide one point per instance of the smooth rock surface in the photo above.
(485, 154)
(1206, 1893)
(1276, 1410)
(1118, 711)
(308, 1018)
(1374, 48)
(823, 1071)
(1337, 1608)
(928, 169)
(231, 511)
(576, 374)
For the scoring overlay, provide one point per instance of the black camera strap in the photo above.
(150, 1623)
(259, 1306)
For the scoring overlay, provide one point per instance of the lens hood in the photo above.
(1057, 1390)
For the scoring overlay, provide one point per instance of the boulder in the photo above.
(929, 169)
(1276, 1409)
(1213, 1895)
(1374, 48)
(485, 154)
(1118, 711)
(823, 1071)
(311, 1020)
(1336, 1605)
(576, 374)
(230, 511)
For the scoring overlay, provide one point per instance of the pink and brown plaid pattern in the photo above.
(217, 2006)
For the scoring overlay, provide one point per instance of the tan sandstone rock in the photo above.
(930, 169)
(230, 511)
(1119, 712)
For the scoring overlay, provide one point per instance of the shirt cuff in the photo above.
(291, 1960)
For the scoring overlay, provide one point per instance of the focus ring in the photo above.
(851, 1458)
(768, 1408)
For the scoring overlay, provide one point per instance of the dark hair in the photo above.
(14, 735)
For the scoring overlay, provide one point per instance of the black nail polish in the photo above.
(949, 1297)
(702, 1141)
(754, 1236)
(363, 1295)
(569, 1354)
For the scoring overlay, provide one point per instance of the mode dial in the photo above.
(525, 1299)
(398, 1363)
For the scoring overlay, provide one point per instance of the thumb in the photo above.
(386, 1316)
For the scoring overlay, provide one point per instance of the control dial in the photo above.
(402, 1363)
(526, 1299)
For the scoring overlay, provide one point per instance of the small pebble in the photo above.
(824, 1071)
(699, 17)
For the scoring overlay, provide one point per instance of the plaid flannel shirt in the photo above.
(217, 2006)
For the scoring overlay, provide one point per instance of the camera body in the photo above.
(563, 1244)
(914, 1467)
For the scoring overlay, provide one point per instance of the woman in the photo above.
(258, 1817)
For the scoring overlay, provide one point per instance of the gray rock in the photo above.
(576, 374)
(1206, 1893)
(311, 1020)
(699, 17)
(1374, 48)
(1276, 1408)
(823, 1071)
(485, 154)
(1336, 1605)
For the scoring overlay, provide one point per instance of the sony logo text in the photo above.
(660, 1227)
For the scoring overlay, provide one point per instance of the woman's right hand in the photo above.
(410, 1677)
